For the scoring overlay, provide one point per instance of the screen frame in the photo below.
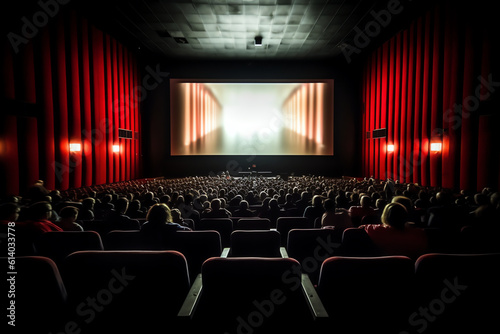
(174, 82)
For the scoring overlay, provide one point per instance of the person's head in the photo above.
(406, 201)
(481, 199)
(134, 205)
(9, 212)
(244, 205)
(380, 203)
(159, 213)
(394, 215)
(40, 210)
(176, 215)
(69, 213)
(329, 204)
(107, 198)
(88, 203)
(121, 205)
(288, 198)
(365, 201)
(273, 204)
(215, 204)
(317, 200)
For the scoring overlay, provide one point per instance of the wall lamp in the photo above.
(436, 147)
(75, 147)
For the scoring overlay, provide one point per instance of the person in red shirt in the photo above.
(394, 236)
(39, 222)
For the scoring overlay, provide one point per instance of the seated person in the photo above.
(395, 236)
(87, 210)
(9, 212)
(273, 213)
(67, 219)
(39, 218)
(244, 210)
(177, 218)
(339, 219)
(315, 210)
(215, 210)
(117, 220)
(358, 212)
(159, 220)
(134, 210)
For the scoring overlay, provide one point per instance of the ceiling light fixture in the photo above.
(258, 41)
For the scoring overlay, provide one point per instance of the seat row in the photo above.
(151, 291)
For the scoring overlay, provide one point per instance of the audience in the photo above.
(348, 202)
(395, 236)
(340, 219)
(159, 221)
(216, 211)
(39, 221)
(67, 221)
(87, 210)
(315, 210)
(357, 212)
(244, 210)
(116, 219)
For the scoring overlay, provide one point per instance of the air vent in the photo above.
(379, 133)
(181, 40)
(125, 134)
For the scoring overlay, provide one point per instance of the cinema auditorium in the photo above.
(250, 166)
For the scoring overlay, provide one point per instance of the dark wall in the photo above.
(156, 126)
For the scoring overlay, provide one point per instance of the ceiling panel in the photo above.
(226, 28)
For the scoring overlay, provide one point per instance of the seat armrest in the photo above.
(316, 307)
(191, 301)
(283, 252)
(225, 252)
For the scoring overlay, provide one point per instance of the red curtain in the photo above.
(428, 84)
(71, 83)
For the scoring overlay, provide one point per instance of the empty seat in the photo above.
(250, 295)
(39, 295)
(479, 239)
(132, 240)
(253, 224)
(367, 294)
(196, 246)
(311, 247)
(222, 225)
(265, 243)
(459, 291)
(129, 291)
(285, 224)
(356, 242)
(57, 245)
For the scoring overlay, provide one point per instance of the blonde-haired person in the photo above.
(159, 220)
(395, 236)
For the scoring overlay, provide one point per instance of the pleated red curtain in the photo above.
(429, 83)
(71, 83)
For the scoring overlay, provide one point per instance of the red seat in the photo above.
(57, 245)
(460, 292)
(367, 294)
(285, 224)
(129, 291)
(264, 243)
(39, 295)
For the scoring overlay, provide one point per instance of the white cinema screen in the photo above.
(223, 117)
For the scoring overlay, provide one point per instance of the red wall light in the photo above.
(436, 147)
(75, 147)
(116, 148)
(390, 148)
